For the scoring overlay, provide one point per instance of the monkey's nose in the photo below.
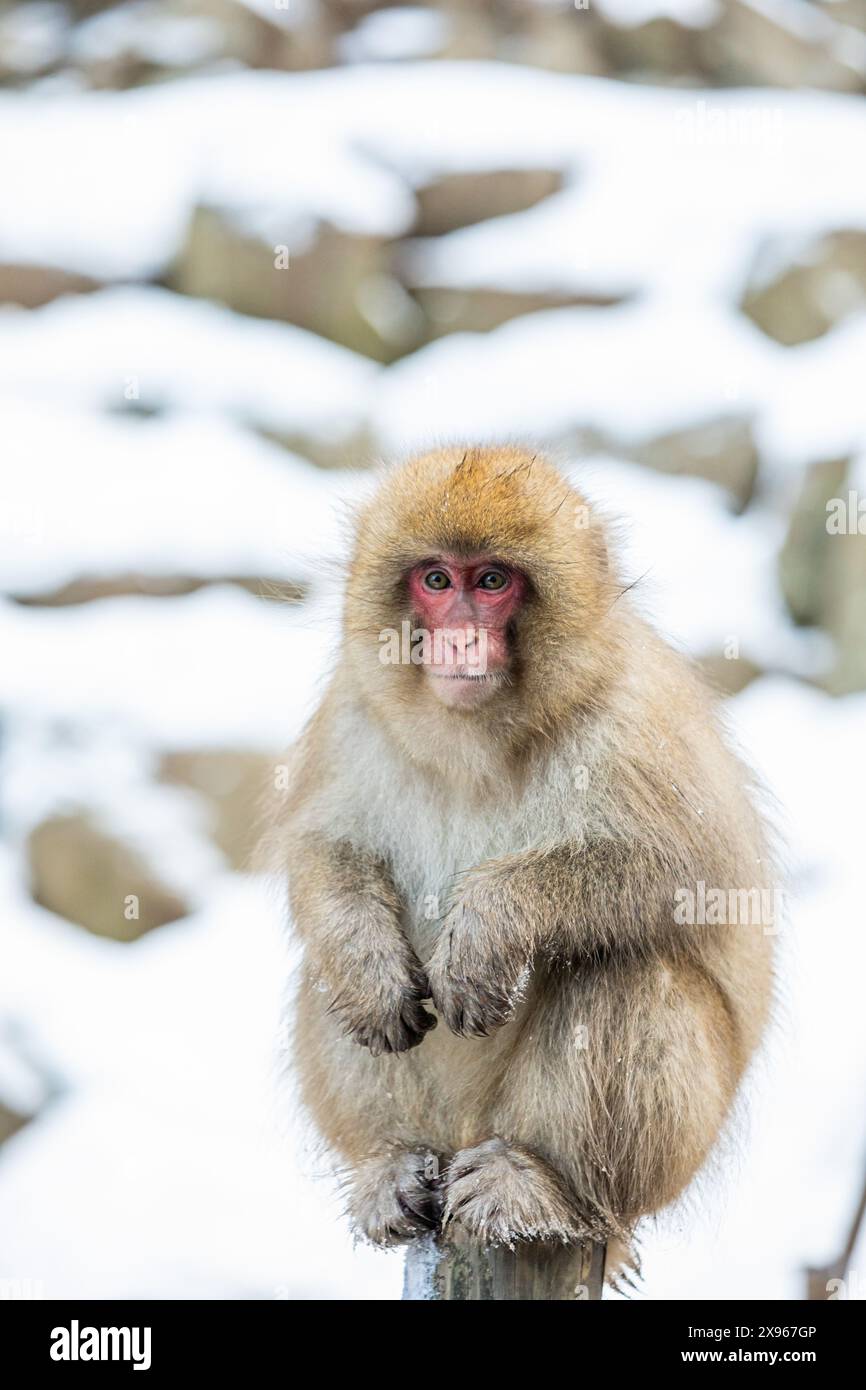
(460, 639)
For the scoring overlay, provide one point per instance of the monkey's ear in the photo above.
(601, 549)
(592, 534)
(594, 544)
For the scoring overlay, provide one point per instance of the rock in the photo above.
(660, 47)
(356, 449)
(728, 675)
(482, 310)
(292, 35)
(85, 874)
(845, 585)
(808, 295)
(723, 451)
(338, 285)
(31, 286)
(848, 613)
(822, 568)
(851, 12)
(238, 784)
(129, 45)
(91, 588)
(346, 13)
(561, 40)
(83, 9)
(749, 45)
(460, 200)
(806, 556)
(472, 31)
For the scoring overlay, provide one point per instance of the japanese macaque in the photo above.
(495, 834)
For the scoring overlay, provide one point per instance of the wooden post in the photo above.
(454, 1269)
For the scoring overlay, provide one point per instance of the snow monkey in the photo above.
(508, 790)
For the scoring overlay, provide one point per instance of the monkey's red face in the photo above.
(465, 610)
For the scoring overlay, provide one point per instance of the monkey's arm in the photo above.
(347, 911)
(572, 900)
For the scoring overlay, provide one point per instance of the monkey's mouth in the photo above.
(477, 676)
(465, 689)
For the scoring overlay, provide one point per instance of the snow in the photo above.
(134, 662)
(187, 494)
(670, 527)
(142, 28)
(407, 31)
(800, 1116)
(678, 162)
(814, 408)
(161, 350)
(172, 1157)
(325, 145)
(565, 367)
(153, 153)
(684, 362)
(32, 38)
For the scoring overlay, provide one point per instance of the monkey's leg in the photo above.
(383, 1119)
(619, 1081)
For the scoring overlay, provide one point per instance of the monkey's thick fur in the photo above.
(518, 862)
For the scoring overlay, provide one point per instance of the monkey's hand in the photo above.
(382, 1009)
(478, 968)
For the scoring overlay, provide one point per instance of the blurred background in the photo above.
(248, 249)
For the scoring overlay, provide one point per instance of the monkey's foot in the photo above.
(502, 1193)
(397, 1197)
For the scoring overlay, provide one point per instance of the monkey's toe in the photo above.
(503, 1193)
(396, 1198)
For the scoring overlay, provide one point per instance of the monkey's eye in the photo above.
(437, 580)
(493, 581)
